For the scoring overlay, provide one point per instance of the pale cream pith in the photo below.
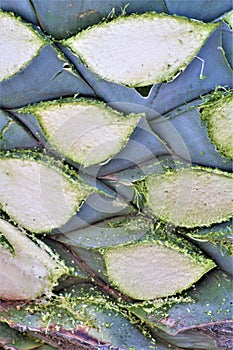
(86, 134)
(190, 198)
(139, 51)
(27, 273)
(36, 196)
(146, 271)
(18, 45)
(221, 127)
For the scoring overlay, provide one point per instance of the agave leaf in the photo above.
(4, 120)
(22, 8)
(187, 135)
(48, 70)
(15, 57)
(70, 17)
(162, 98)
(218, 114)
(96, 208)
(205, 11)
(121, 97)
(108, 233)
(21, 276)
(169, 269)
(229, 18)
(215, 233)
(48, 347)
(143, 145)
(187, 323)
(171, 264)
(122, 181)
(219, 252)
(31, 123)
(75, 275)
(37, 193)
(197, 79)
(135, 52)
(189, 197)
(216, 241)
(14, 340)
(227, 35)
(81, 316)
(85, 131)
(13, 135)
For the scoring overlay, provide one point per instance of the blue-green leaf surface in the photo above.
(172, 136)
(108, 233)
(187, 136)
(21, 8)
(13, 135)
(203, 10)
(194, 82)
(14, 340)
(227, 37)
(46, 77)
(72, 16)
(217, 242)
(186, 323)
(83, 316)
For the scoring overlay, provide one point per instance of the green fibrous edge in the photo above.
(4, 243)
(89, 144)
(155, 267)
(31, 271)
(13, 46)
(188, 197)
(217, 237)
(110, 233)
(142, 72)
(229, 18)
(217, 112)
(39, 193)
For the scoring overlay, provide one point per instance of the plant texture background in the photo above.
(115, 174)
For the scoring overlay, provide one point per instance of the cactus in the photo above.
(115, 174)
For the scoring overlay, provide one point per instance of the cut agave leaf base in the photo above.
(116, 147)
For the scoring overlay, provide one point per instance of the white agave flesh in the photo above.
(140, 50)
(86, 132)
(30, 271)
(190, 197)
(219, 116)
(37, 196)
(18, 45)
(149, 271)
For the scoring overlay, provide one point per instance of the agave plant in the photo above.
(115, 174)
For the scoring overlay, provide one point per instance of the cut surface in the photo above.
(190, 197)
(140, 50)
(148, 271)
(38, 196)
(19, 43)
(229, 19)
(86, 132)
(219, 117)
(30, 271)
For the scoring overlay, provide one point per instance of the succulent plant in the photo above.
(115, 174)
